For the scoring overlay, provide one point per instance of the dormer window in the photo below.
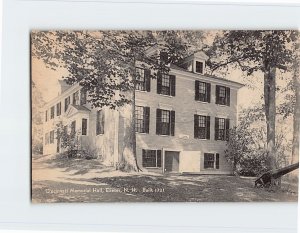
(199, 67)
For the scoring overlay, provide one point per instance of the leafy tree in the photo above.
(103, 63)
(254, 52)
(37, 122)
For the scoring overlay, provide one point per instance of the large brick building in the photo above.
(182, 120)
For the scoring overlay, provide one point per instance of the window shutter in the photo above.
(208, 93)
(197, 96)
(143, 157)
(216, 128)
(227, 129)
(147, 119)
(158, 158)
(147, 80)
(159, 82)
(158, 121)
(228, 96)
(208, 127)
(217, 94)
(196, 126)
(172, 116)
(217, 161)
(173, 84)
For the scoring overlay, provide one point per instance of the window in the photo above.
(73, 127)
(221, 129)
(151, 158)
(166, 84)
(51, 137)
(84, 127)
(52, 112)
(100, 122)
(199, 67)
(211, 161)
(165, 122)
(222, 95)
(76, 98)
(142, 115)
(201, 127)
(46, 115)
(67, 102)
(142, 79)
(202, 91)
(58, 109)
(83, 97)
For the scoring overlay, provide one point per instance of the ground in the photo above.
(81, 180)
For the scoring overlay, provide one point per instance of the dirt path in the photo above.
(89, 181)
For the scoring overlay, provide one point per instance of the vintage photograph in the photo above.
(165, 116)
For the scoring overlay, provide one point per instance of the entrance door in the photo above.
(171, 161)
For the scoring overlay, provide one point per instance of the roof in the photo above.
(80, 108)
(172, 66)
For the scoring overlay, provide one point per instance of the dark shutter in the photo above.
(159, 83)
(172, 116)
(173, 84)
(227, 129)
(102, 121)
(217, 161)
(228, 96)
(158, 158)
(84, 126)
(208, 92)
(196, 126)
(217, 94)
(143, 157)
(158, 121)
(147, 119)
(216, 128)
(147, 80)
(208, 127)
(197, 96)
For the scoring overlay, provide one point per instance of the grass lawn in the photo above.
(79, 180)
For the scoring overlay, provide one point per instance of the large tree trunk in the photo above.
(296, 121)
(270, 111)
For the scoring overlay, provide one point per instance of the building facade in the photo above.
(182, 120)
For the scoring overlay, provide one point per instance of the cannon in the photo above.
(273, 177)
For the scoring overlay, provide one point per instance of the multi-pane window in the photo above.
(143, 81)
(52, 112)
(100, 122)
(67, 102)
(202, 91)
(222, 95)
(151, 158)
(58, 109)
(83, 97)
(142, 119)
(165, 122)
(166, 84)
(201, 127)
(76, 98)
(211, 161)
(221, 129)
(199, 67)
(51, 141)
(84, 126)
